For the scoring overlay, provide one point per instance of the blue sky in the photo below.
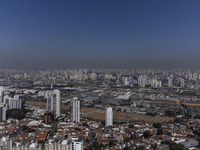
(99, 33)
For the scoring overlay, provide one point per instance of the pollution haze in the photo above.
(37, 34)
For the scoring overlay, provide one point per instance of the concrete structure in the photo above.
(48, 117)
(13, 103)
(76, 144)
(182, 82)
(109, 117)
(142, 81)
(53, 101)
(3, 109)
(75, 110)
(190, 143)
(57, 145)
(156, 83)
(1, 93)
(170, 83)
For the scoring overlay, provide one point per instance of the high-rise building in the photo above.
(1, 93)
(156, 83)
(182, 82)
(13, 103)
(3, 109)
(109, 117)
(142, 81)
(48, 117)
(76, 144)
(53, 101)
(170, 83)
(75, 110)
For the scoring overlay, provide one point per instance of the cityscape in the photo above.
(99, 109)
(99, 75)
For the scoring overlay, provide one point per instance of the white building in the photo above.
(76, 144)
(1, 93)
(13, 103)
(75, 110)
(54, 145)
(156, 83)
(109, 117)
(170, 83)
(53, 101)
(142, 81)
(125, 80)
(66, 144)
(3, 109)
(93, 76)
(182, 82)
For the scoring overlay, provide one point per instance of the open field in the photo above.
(98, 114)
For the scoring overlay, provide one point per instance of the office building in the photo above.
(75, 110)
(53, 102)
(109, 117)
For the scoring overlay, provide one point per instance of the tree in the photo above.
(146, 134)
(112, 143)
(88, 148)
(159, 132)
(103, 123)
(126, 139)
(173, 145)
(133, 136)
(157, 125)
(27, 129)
(198, 139)
(178, 120)
(195, 132)
(141, 148)
(41, 142)
(131, 126)
(151, 114)
(170, 113)
(96, 146)
(154, 146)
(85, 124)
(16, 113)
(126, 148)
(87, 140)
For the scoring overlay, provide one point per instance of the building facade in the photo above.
(76, 144)
(109, 117)
(53, 101)
(3, 109)
(75, 110)
(1, 94)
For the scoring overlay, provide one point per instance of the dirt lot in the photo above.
(98, 114)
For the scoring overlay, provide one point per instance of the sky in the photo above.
(43, 34)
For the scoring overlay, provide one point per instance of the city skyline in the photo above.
(99, 34)
(99, 109)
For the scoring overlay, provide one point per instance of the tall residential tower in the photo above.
(109, 117)
(3, 109)
(75, 110)
(1, 93)
(53, 101)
